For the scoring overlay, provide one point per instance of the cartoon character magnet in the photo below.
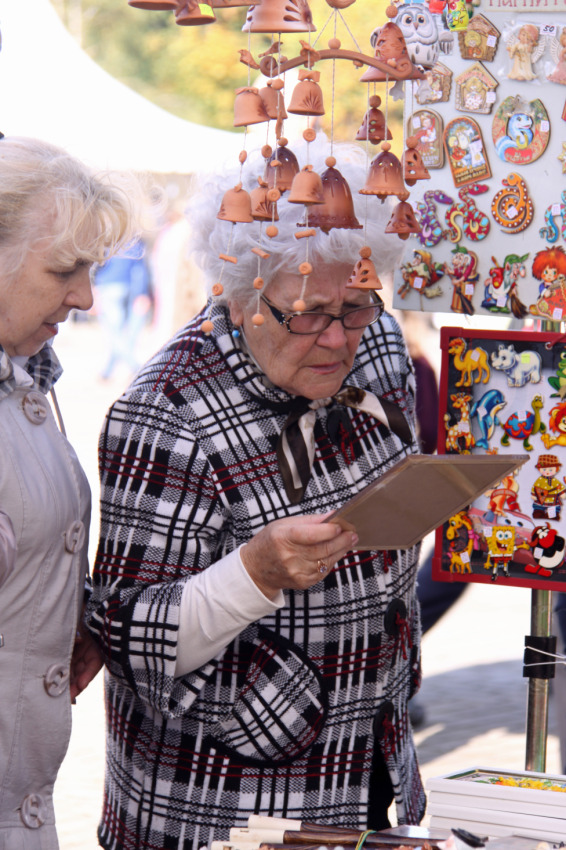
(549, 550)
(549, 268)
(463, 276)
(428, 126)
(432, 231)
(435, 87)
(525, 46)
(547, 492)
(466, 153)
(556, 434)
(421, 275)
(475, 90)
(520, 130)
(479, 40)
(523, 424)
(519, 367)
(550, 230)
(501, 288)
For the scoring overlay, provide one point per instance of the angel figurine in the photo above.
(557, 48)
(524, 48)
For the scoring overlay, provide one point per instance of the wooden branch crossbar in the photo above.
(403, 69)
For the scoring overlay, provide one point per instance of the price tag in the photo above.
(544, 126)
(548, 29)
(418, 282)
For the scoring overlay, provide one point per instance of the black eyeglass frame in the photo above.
(286, 318)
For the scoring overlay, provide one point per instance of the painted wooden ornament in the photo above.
(550, 231)
(422, 37)
(512, 207)
(421, 275)
(475, 90)
(557, 47)
(479, 40)
(435, 88)
(432, 230)
(463, 275)
(466, 152)
(428, 127)
(520, 130)
(475, 223)
(457, 15)
(501, 288)
(525, 46)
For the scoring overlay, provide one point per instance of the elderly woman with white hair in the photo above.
(257, 662)
(56, 220)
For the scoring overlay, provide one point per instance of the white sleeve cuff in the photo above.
(216, 605)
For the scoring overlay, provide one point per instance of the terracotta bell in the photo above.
(373, 125)
(155, 5)
(413, 166)
(262, 208)
(248, 107)
(279, 16)
(193, 13)
(390, 47)
(236, 206)
(306, 188)
(273, 102)
(338, 207)
(403, 221)
(364, 275)
(281, 175)
(307, 95)
(229, 4)
(385, 176)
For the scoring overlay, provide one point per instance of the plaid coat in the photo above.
(284, 721)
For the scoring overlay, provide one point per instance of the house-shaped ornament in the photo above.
(475, 90)
(479, 40)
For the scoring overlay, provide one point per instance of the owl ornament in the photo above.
(420, 30)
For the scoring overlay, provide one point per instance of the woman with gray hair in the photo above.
(56, 220)
(255, 659)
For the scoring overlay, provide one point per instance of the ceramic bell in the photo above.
(364, 275)
(281, 175)
(403, 221)
(279, 16)
(155, 5)
(373, 125)
(306, 188)
(413, 166)
(236, 206)
(193, 13)
(262, 208)
(338, 207)
(307, 95)
(390, 47)
(229, 4)
(385, 176)
(273, 102)
(248, 107)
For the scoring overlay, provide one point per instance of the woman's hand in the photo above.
(295, 553)
(85, 663)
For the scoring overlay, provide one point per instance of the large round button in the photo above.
(56, 680)
(35, 407)
(32, 811)
(74, 536)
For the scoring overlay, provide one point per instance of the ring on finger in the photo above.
(322, 566)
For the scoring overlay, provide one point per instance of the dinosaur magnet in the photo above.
(427, 125)
(476, 224)
(463, 276)
(520, 130)
(547, 492)
(465, 150)
(512, 207)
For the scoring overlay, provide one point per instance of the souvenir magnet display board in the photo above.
(505, 392)
(490, 119)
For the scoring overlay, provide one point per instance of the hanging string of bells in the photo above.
(326, 198)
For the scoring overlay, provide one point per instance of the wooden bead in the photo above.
(207, 327)
(258, 319)
(266, 151)
(309, 135)
(242, 156)
(282, 141)
(277, 85)
(217, 289)
(305, 268)
(273, 195)
(385, 146)
(374, 101)
(271, 230)
(365, 252)
(334, 43)
(330, 161)
(258, 283)
(299, 306)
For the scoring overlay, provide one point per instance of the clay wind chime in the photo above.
(326, 197)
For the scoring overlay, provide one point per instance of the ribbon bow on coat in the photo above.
(296, 447)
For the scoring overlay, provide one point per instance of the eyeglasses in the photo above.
(315, 323)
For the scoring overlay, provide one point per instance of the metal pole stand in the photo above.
(539, 642)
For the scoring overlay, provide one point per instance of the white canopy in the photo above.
(50, 89)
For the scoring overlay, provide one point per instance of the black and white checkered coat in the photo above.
(282, 722)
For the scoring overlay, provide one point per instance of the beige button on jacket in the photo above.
(44, 497)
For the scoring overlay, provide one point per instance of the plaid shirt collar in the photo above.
(44, 368)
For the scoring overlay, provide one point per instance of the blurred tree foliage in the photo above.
(193, 71)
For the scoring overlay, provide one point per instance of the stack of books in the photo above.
(494, 803)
